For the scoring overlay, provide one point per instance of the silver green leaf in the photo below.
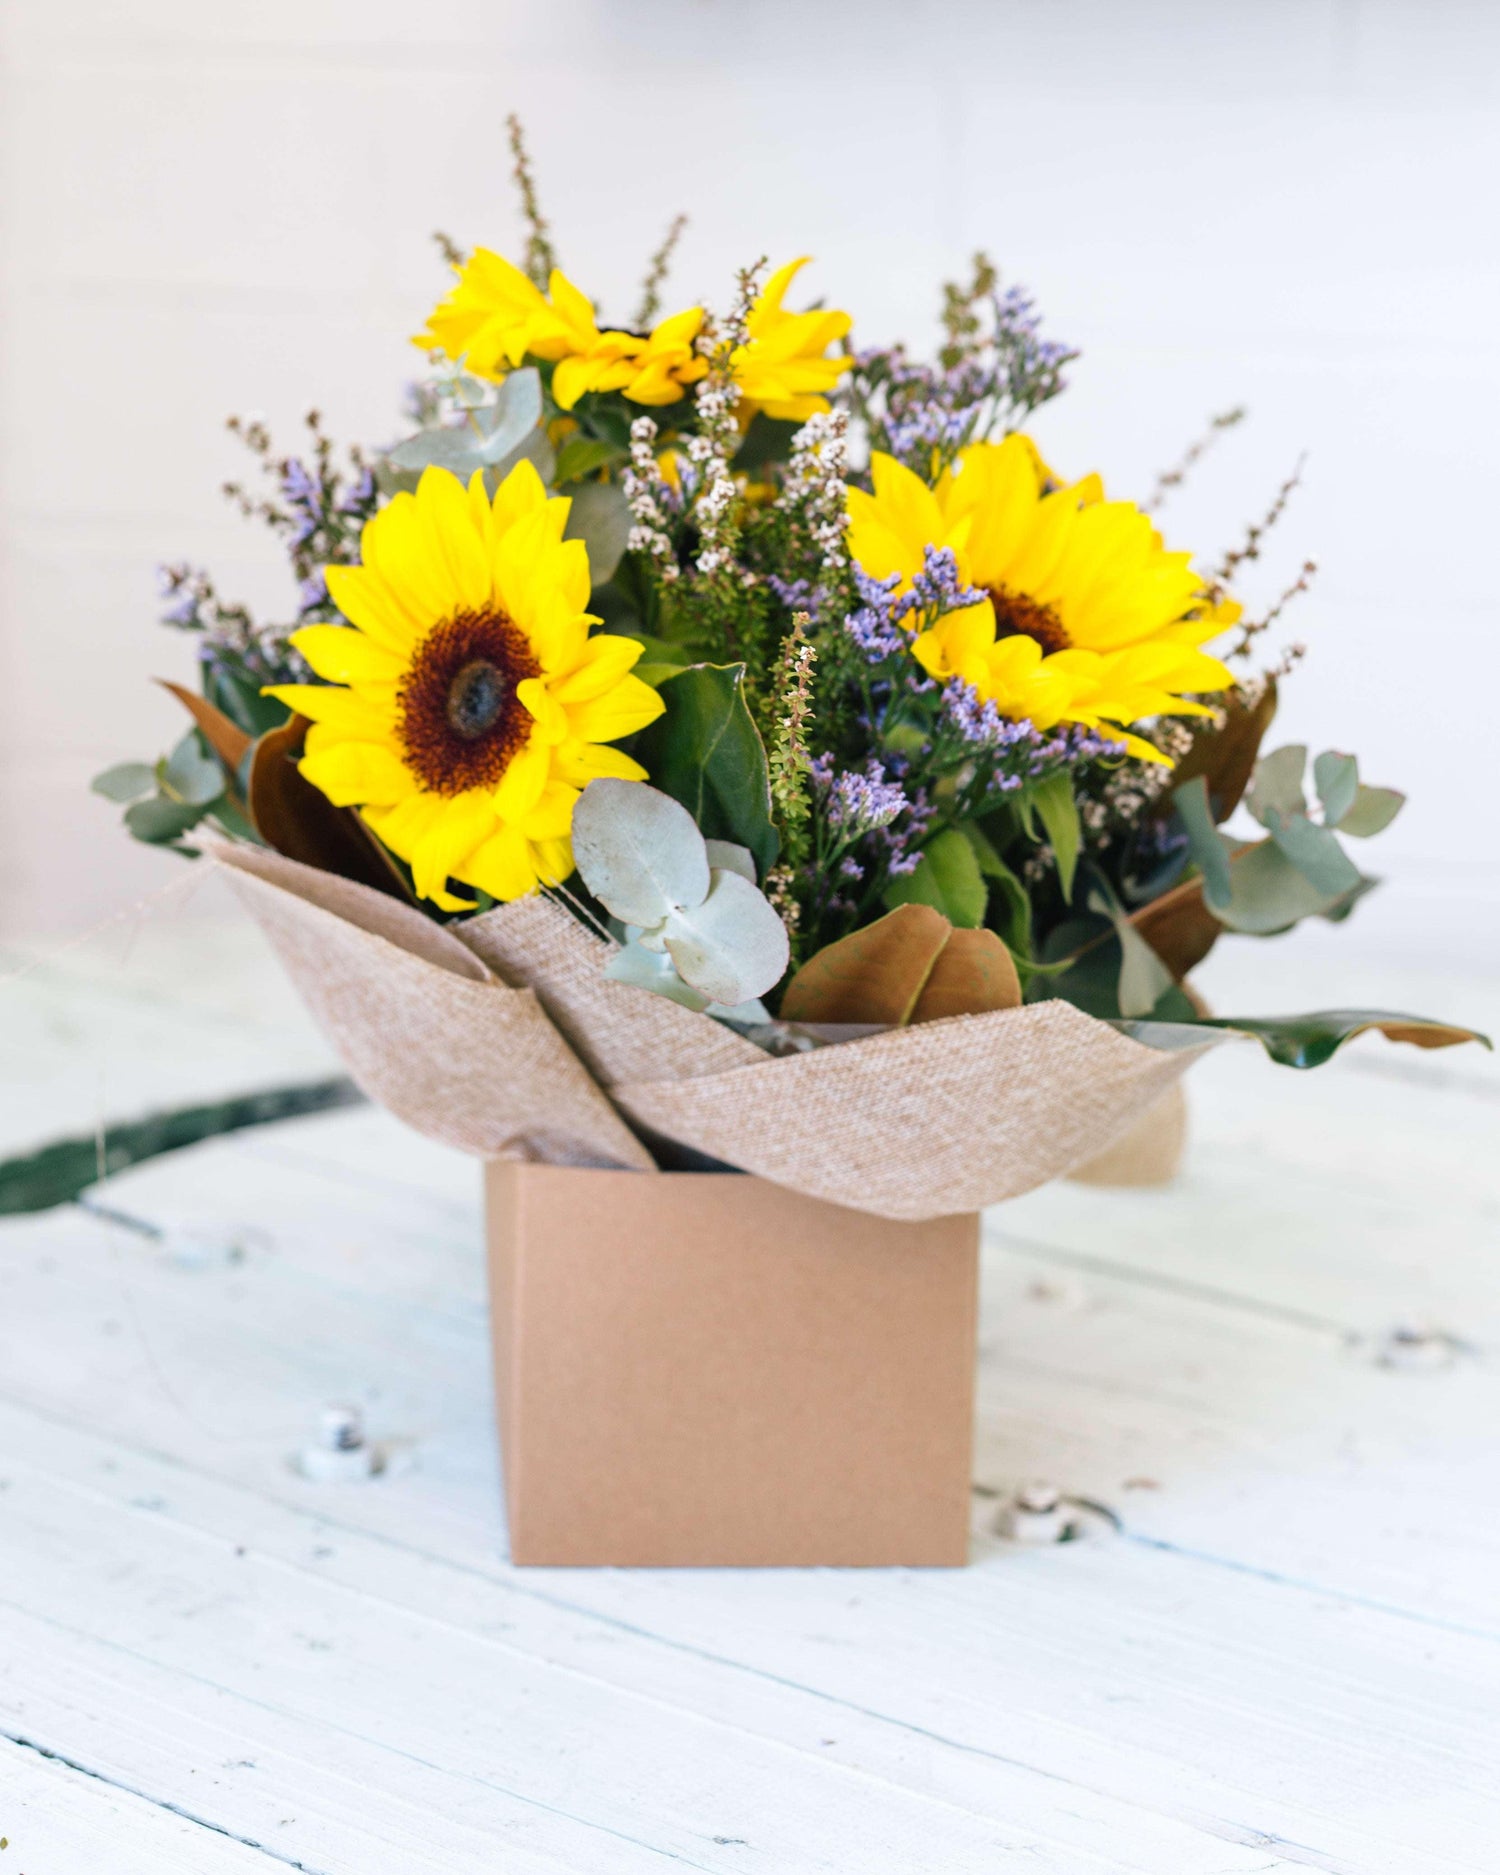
(1209, 848)
(1372, 812)
(639, 852)
(733, 946)
(126, 781)
(1317, 855)
(1275, 792)
(1336, 777)
(602, 521)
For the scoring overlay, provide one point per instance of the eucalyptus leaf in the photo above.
(1058, 811)
(729, 857)
(1336, 778)
(126, 781)
(652, 970)
(1144, 979)
(599, 518)
(535, 448)
(1271, 894)
(160, 821)
(190, 774)
(705, 751)
(733, 946)
(948, 878)
(638, 852)
(1317, 855)
(1209, 848)
(1372, 812)
(1276, 788)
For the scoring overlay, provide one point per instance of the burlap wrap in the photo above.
(502, 1036)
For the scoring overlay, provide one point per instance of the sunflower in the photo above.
(782, 368)
(495, 317)
(1085, 616)
(466, 705)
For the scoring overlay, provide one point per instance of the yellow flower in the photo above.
(1086, 618)
(781, 368)
(495, 317)
(467, 706)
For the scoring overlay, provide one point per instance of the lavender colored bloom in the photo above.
(312, 592)
(856, 804)
(797, 595)
(358, 496)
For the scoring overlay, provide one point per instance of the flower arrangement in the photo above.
(790, 675)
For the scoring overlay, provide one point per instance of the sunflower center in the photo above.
(1017, 616)
(458, 719)
(476, 696)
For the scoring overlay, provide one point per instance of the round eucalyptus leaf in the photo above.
(639, 852)
(733, 946)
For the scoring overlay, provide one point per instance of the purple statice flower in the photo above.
(855, 804)
(312, 593)
(183, 593)
(303, 494)
(936, 588)
(359, 495)
(873, 625)
(797, 595)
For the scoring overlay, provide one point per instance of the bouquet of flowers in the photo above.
(705, 740)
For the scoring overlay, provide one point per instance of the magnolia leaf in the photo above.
(732, 946)
(602, 521)
(1225, 756)
(1317, 855)
(1304, 1041)
(705, 751)
(1336, 778)
(300, 821)
(947, 877)
(1276, 791)
(191, 776)
(1372, 812)
(972, 974)
(1054, 803)
(126, 781)
(227, 739)
(875, 975)
(1207, 845)
(728, 857)
(639, 852)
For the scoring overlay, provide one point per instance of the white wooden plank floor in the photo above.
(1283, 1654)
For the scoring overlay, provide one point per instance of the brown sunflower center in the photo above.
(458, 719)
(1017, 616)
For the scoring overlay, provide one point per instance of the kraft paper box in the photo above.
(703, 1368)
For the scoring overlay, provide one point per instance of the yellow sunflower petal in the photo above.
(606, 659)
(340, 709)
(620, 711)
(502, 866)
(582, 762)
(538, 700)
(552, 817)
(345, 656)
(465, 822)
(355, 773)
(521, 787)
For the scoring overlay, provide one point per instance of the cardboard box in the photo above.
(702, 1368)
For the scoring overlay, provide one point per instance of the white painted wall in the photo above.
(216, 208)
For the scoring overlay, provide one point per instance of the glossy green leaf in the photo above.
(948, 878)
(1058, 811)
(1303, 1041)
(1336, 778)
(582, 455)
(1372, 812)
(126, 781)
(705, 751)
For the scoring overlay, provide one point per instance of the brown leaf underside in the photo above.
(301, 822)
(910, 966)
(227, 740)
(1179, 927)
(1226, 757)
